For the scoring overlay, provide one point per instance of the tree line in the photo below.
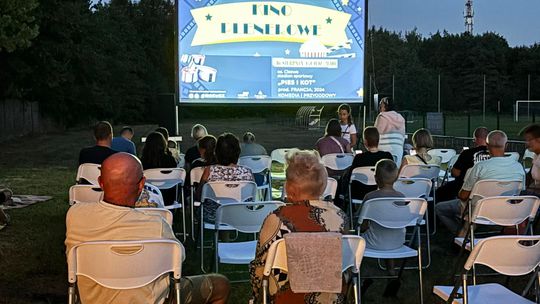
(83, 61)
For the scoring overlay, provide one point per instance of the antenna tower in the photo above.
(468, 14)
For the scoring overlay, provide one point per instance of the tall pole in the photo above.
(176, 67)
(484, 101)
(393, 88)
(529, 87)
(439, 95)
(370, 98)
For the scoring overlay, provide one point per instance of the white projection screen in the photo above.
(297, 51)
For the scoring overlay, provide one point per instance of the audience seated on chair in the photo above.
(304, 212)
(466, 160)
(332, 142)
(422, 142)
(197, 132)
(97, 154)
(497, 167)
(249, 147)
(123, 142)
(368, 158)
(165, 134)
(207, 150)
(226, 169)
(531, 135)
(388, 120)
(114, 218)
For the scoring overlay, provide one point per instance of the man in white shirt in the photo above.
(498, 167)
(531, 133)
(114, 218)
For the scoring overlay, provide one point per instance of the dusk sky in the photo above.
(516, 20)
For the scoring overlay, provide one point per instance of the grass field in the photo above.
(32, 261)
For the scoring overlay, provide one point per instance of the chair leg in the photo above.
(183, 215)
(177, 290)
(420, 279)
(265, 288)
(192, 215)
(71, 293)
(351, 209)
(201, 235)
(356, 280)
(216, 251)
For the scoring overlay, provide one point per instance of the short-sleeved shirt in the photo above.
(347, 130)
(95, 154)
(499, 168)
(468, 158)
(332, 144)
(122, 144)
(252, 149)
(366, 159)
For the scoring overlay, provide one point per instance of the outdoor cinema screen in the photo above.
(295, 51)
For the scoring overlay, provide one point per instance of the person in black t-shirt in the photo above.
(465, 161)
(369, 158)
(97, 154)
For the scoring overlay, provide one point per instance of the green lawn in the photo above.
(32, 261)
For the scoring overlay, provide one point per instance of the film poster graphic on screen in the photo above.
(268, 51)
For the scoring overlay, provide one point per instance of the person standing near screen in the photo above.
(388, 120)
(348, 129)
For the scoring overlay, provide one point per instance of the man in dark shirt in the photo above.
(98, 153)
(465, 161)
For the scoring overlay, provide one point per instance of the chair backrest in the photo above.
(452, 161)
(420, 171)
(505, 210)
(514, 155)
(278, 155)
(444, 154)
(337, 161)
(527, 159)
(85, 194)
(257, 163)
(393, 212)
(493, 187)
(245, 217)
(89, 173)
(229, 192)
(181, 160)
(413, 187)
(164, 213)
(509, 255)
(177, 174)
(195, 175)
(331, 188)
(364, 175)
(393, 143)
(136, 263)
(352, 247)
(155, 194)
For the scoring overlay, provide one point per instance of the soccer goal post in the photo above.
(525, 107)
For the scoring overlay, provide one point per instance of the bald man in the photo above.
(114, 218)
(498, 167)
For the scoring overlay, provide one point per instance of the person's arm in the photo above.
(354, 139)
(348, 147)
(455, 172)
(463, 195)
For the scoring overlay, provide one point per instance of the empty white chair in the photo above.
(245, 218)
(393, 143)
(278, 156)
(337, 161)
(396, 213)
(448, 173)
(445, 155)
(365, 176)
(508, 255)
(88, 173)
(260, 164)
(136, 263)
(168, 178)
(527, 160)
(85, 194)
(352, 248)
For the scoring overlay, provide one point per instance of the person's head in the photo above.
(344, 114)
(227, 149)
(207, 148)
(306, 175)
(333, 128)
(103, 133)
(385, 105)
(121, 179)
(496, 142)
(154, 148)
(386, 173)
(127, 132)
(371, 137)
(422, 139)
(198, 131)
(163, 132)
(248, 138)
(531, 134)
(480, 136)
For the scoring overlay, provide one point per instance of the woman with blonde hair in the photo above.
(422, 143)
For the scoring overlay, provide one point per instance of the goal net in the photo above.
(525, 109)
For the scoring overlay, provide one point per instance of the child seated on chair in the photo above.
(378, 237)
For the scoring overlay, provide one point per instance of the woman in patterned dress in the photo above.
(304, 212)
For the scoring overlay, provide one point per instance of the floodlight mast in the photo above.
(468, 15)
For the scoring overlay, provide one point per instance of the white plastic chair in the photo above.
(448, 173)
(278, 156)
(514, 155)
(164, 213)
(365, 176)
(195, 175)
(84, 194)
(245, 218)
(88, 173)
(352, 248)
(492, 187)
(508, 255)
(446, 155)
(155, 194)
(329, 191)
(396, 213)
(223, 193)
(167, 178)
(393, 143)
(136, 263)
(260, 164)
(527, 159)
(338, 161)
